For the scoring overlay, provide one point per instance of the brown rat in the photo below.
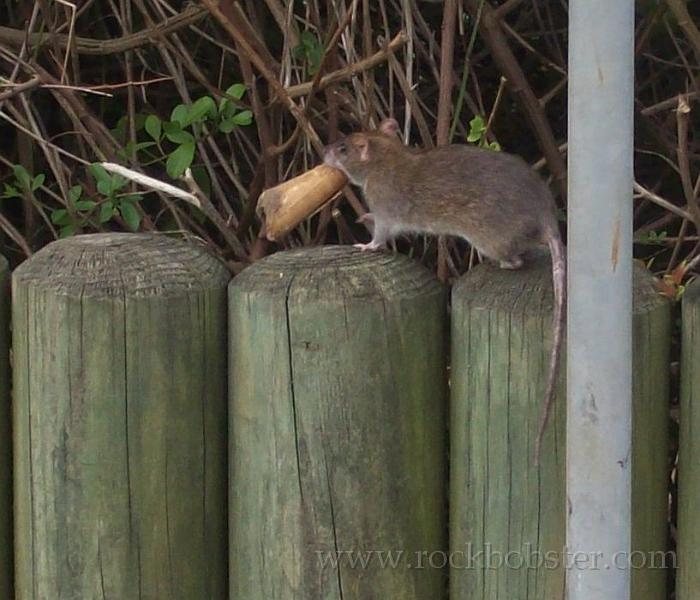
(494, 200)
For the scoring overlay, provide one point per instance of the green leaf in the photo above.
(118, 182)
(237, 90)
(226, 105)
(299, 51)
(308, 39)
(245, 117)
(60, 216)
(119, 131)
(153, 127)
(652, 238)
(132, 148)
(315, 58)
(310, 48)
(477, 128)
(85, 205)
(180, 159)
(22, 176)
(106, 212)
(99, 172)
(179, 115)
(203, 107)
(11, 192)
(74, 193)
(171, 127)
(176, 135)
(131, 198)
(227, 126)
(139, 121)
(38, 181)
(129, 149)
(104, 187)
(477, 124)
(226, 111)
(130, 215)
(109, 187)
(66, 231)
(143, 145)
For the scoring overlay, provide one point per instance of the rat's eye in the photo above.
(341, 147)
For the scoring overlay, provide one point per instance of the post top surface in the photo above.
(121, 264)
(692, 292)
(530, 287)
(338, 271)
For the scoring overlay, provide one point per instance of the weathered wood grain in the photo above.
(688, 580)
(499, 501)
(6, 570)
(651, 337)
(337, 428)
(119, 420)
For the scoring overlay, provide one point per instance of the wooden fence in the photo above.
(355, 407)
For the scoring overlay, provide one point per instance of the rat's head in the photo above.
(356, 154)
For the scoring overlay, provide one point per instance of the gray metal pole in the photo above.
(599, 347)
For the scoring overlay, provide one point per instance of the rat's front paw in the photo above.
(369, 246)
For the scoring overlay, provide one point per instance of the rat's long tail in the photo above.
(556, 249)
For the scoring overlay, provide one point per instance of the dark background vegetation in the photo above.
(246, 92)
(104, 80)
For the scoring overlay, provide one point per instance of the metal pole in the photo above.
(599, 347)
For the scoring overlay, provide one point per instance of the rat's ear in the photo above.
(389, 127)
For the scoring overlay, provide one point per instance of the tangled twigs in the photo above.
(191, 14)
(686, 22)
(519, 86)
(447, 41)
(682, 116)
(264, 70)
(18, 88)
(245, 90)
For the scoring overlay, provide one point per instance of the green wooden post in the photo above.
(651, 559)
(688, 581)
(337, 428)
(119, 420)
(499, 502)
(5, 438)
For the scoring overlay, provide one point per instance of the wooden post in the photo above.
(5, 438)
(650, 561)
(507, 527)
(119, 420)
(688, 581)
(337, 428)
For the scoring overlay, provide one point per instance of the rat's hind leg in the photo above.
(380, 236)
(512, 263)
(505, 253)
(369, 246)
(509, 255)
